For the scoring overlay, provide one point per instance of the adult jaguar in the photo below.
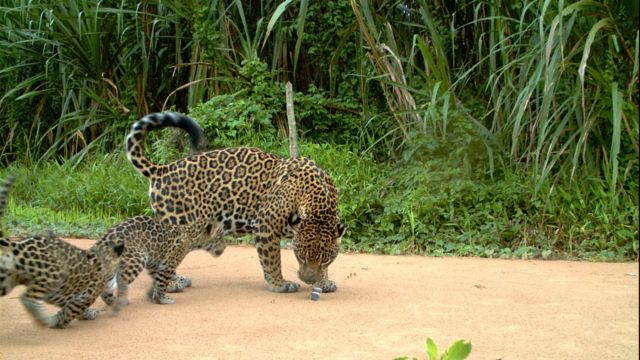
(247, 190)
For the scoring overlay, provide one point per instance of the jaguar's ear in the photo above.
(342, 228)
(118, 249)
(294, 219)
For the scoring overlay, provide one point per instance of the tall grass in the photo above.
(72, 56)
(74, 201)
(550, 88)
(558, 80)
(555, 104)
(76, 73)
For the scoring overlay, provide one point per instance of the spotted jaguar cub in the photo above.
(55, 272)
(247, 190)
(159, 248)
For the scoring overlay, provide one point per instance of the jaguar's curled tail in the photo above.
(135, 139)
(4, 197)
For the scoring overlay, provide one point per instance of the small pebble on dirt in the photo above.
(315, 294)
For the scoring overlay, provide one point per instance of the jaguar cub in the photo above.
(160, 248)
(55, 272)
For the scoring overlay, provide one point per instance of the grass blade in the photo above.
(616, 119)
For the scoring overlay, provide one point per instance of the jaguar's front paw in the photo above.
(326, 285)
(285, 287)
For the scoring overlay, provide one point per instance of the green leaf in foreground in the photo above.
(458, 351)
(432, 349)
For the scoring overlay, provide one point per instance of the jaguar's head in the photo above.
(316, 244)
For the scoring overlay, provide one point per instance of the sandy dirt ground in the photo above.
(385, 307)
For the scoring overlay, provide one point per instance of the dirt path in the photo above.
(385, 307)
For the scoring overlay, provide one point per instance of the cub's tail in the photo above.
(140, 128)
(4, 197)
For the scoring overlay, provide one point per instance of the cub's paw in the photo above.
(89, 314)
(108, 298)
(285, 287)
(159, 298)
(184, 281)
(178, 284)
(163, 299)
(122, 301)
(175, 288)
(53, 322)
(58, 321)
(326, 285)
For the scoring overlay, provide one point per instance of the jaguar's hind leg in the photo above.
(33, 302)
(7, 272)
(76, 308)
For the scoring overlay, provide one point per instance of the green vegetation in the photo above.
(498, 129)
(459, 350)
(81, 201)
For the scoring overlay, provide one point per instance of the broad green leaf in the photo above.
(432, 349)
(458, 351)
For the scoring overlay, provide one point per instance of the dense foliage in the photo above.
(470, 127)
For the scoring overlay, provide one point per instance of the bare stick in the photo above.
(293, 141)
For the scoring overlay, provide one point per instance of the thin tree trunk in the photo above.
(293, 141)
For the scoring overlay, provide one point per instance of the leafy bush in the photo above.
(257, 112)
(435, 208)
(231, 119)
(459, 350)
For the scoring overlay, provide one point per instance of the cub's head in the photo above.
(109, 249)
(316, 244)
(206, 235)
